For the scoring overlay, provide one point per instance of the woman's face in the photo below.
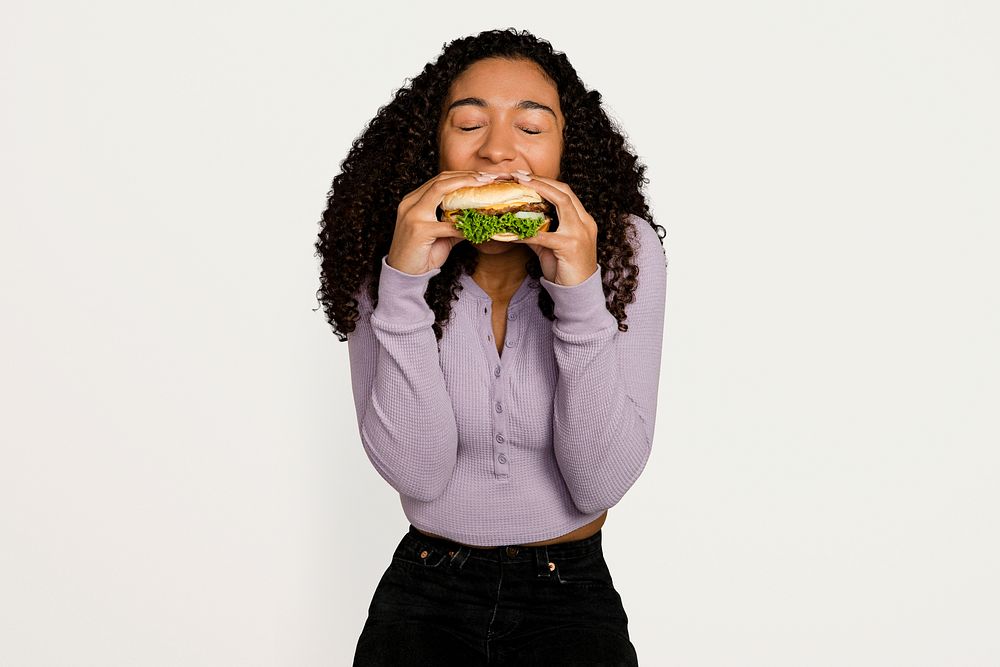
(501, 115)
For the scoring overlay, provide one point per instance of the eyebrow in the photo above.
(480, 102)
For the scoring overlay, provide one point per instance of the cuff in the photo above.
(580, 308)
(401, 296)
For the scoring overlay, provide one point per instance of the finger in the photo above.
(551, 240)
(433, 195)
(558, 185)
(425, 206)
(558, 193)
(444, 228)
(416, 195)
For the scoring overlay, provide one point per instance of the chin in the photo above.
(493, 247)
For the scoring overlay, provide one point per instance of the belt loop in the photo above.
(542, 561)
(460, 555)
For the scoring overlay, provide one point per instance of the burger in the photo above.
(502, 210)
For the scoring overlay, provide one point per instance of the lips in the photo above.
(500, 176)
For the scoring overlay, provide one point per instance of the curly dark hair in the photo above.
(360, 217)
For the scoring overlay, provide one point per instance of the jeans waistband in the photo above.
(512, 552)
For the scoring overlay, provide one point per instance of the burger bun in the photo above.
(498, 194)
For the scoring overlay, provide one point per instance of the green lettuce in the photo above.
(478, 227)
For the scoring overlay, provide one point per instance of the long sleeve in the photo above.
(605, 399)
(405, 416)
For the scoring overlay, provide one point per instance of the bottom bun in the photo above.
(510, 236)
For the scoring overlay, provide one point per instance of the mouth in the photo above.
(500, 176)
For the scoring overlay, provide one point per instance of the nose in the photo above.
(498, 145)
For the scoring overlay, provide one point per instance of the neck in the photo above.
(504, 272)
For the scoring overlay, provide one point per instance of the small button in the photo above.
(424, 554)
(511, 316)
(499, 407)
(509, 343)
(496, 371)
(552, 566)
(499, 439)
(512, 551)
(502, 459)
(488, 337)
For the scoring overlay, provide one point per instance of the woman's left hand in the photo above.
(568, 256)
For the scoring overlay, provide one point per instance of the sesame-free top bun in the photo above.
(492, 195)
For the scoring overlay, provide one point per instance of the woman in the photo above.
(503, 389)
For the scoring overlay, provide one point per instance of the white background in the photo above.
(181, 479)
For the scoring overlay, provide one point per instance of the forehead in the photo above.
(504, 83)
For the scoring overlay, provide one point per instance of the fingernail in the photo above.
(522, 171)
(485, 178)
(521, 177)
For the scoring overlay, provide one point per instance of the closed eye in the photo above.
(523, 129)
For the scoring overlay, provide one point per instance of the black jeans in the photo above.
(440, 603)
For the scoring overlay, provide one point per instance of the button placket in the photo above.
(486, 336)
(501, 406)
(501, 452)
(510, 339)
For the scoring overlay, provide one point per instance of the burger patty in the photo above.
(540, 207)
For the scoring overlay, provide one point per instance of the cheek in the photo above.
(453, 149)
(546, 158)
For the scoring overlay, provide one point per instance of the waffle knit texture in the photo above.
(489, 449)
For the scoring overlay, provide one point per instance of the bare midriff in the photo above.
(578, 534)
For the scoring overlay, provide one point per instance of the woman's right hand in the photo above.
(420, 241)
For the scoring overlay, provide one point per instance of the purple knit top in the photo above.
(494, 449)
